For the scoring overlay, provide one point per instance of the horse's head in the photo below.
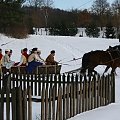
(117, 48)
(110, 48)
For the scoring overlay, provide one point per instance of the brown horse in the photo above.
(94, 58)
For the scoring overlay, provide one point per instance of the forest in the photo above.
(18, 18)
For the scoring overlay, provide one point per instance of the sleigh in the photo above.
(44, 69)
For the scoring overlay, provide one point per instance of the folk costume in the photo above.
(7, 62)
(33, 61)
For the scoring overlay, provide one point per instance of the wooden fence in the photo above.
(62, 96)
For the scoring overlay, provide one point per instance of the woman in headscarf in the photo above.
(7, 62)
(33, 61)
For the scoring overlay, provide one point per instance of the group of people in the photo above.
(31, 60)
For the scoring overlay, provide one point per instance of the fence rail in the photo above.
(62, 96)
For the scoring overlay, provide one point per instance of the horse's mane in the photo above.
(94, 51)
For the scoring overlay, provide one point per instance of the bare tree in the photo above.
(116, 7)
(35, 3)
(46, 4)
(100, 7)
(116, 12)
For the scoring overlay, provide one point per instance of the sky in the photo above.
(79, 4)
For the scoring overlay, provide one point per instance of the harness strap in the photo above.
(111, 57)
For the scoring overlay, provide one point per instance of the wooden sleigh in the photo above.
(44, 69)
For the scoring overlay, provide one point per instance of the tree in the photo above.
(63, 29)
(35, 3)
(92, 30)
(110, 32)
(46, 4)
(11, 17)
(116, 13)
(100, 7)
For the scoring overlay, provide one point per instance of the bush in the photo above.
(110, 32)
(63, 30)
(18, 32)
(92, 30)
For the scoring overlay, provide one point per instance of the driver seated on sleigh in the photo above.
(50, 60)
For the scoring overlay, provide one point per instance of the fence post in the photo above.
(29, 104)
(13, 95)
(19, 104)
(6, 81)
(7, 104)
(2, 104)
(113, 88)
(24, 105)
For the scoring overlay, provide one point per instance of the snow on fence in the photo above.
(61, 96)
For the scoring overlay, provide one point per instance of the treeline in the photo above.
(17, 20)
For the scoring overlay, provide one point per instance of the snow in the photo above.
(67, 48)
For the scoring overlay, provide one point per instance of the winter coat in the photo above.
(7, 62)
(50, 60)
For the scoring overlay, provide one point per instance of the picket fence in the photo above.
(60, 96)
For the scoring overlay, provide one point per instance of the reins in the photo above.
(74, 59)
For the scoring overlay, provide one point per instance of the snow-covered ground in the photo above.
(66, 49)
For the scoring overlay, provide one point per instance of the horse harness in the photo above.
(112, 59)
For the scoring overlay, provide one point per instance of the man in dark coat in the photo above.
(50, 59)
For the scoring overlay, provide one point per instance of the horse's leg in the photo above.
(83, 71)
(113, 71)
(95, 71)
(89, 72)
(106, 69)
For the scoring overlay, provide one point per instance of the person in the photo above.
(23, 59)
(33, 61)
(50, 59)
(7, 62)
(119, 37)
(25, 50)
(40, 58)
(1, 56)
(1, 59)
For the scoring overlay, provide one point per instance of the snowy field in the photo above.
(66, 49)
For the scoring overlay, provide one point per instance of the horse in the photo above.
(92, 59)
(117, 47)
(114, 48)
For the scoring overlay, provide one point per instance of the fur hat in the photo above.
(39, 51)
(52, 51)
(34, 49)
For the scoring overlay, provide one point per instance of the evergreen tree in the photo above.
(110, 32)
(11, 17)
(92, 30)
(63, 30)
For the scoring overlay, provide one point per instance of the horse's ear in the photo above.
(110, 47)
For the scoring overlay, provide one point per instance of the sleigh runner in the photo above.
(44, 69)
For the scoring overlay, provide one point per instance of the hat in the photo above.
(7, 50)
(25, 49)
(52, 51)
(39, 51)
(34, 49)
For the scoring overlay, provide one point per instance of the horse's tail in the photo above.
(85, 62)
